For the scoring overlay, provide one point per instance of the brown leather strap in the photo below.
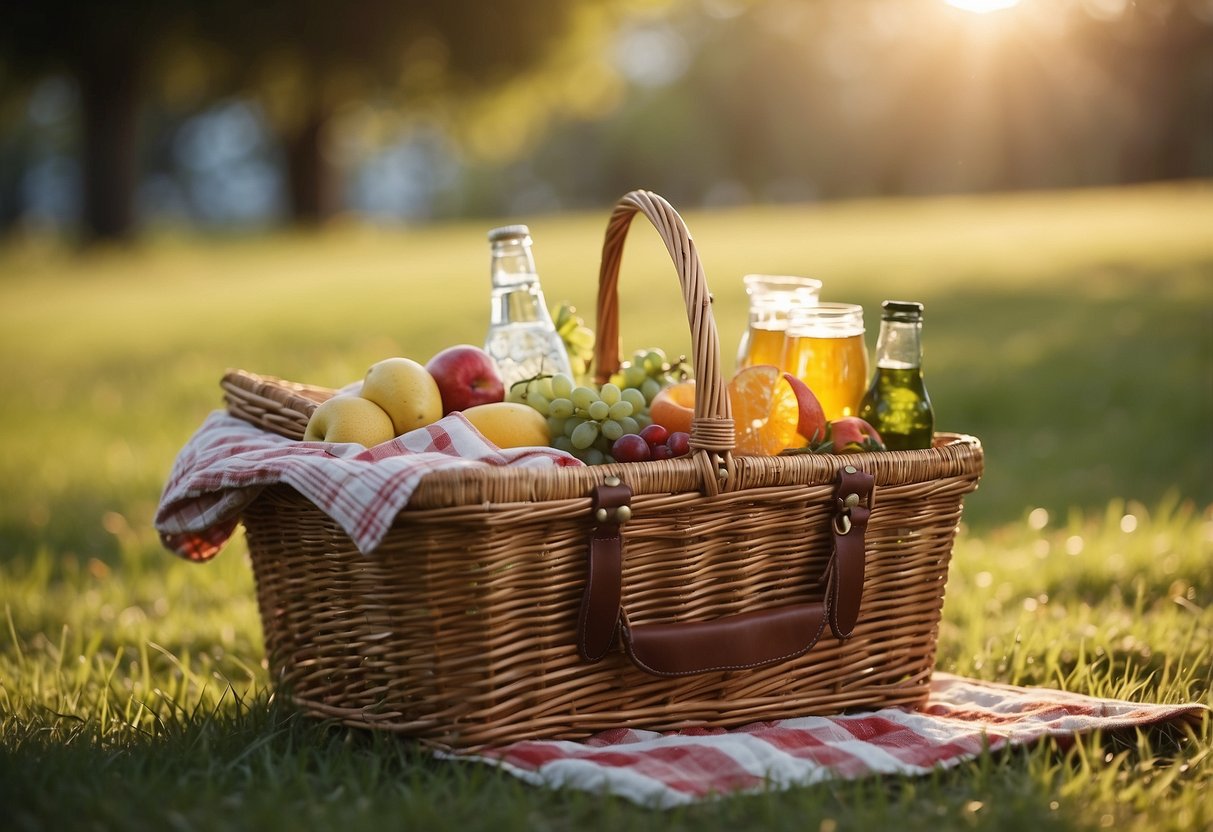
(599, 617)
(736, 642)
(852, 506)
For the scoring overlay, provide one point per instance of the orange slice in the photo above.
(674, 407)
(766, 412)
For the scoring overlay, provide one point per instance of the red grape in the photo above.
(662, 452)
(680, 443)
(655, 435)
(631, 447)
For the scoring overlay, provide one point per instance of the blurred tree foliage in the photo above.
(788, 100)
(303, 59)
(560, 104)
(306, 59)
(108, 50)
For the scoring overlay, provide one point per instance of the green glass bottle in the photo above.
(896, 403)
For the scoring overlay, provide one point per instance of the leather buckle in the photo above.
(843, 503)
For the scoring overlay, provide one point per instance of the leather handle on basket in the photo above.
(735, 642)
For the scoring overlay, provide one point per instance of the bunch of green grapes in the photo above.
(583, 419)
(650, 371)
(578, 340)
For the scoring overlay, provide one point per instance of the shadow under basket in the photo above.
(712, 590)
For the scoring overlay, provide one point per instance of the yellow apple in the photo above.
(349, 419)
(509, 424)
(405, 390)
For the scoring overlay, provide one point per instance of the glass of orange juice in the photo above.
(824, 347)
(772, 299)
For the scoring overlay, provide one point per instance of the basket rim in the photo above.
(955, 456)
(282, 407)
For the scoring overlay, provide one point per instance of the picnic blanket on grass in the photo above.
(962, 718)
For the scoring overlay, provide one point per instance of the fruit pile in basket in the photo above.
(642, 413)
(398, 395)
(589, 420)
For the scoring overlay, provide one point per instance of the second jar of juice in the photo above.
(772, 299)
(824, 347)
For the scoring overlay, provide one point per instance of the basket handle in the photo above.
(735, 642)
(712, 425)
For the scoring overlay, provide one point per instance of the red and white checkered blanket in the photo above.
(227, 462)
(962, 718)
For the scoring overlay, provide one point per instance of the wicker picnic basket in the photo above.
(710, 590)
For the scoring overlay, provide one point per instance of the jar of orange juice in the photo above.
(772, 299)
(824, 347)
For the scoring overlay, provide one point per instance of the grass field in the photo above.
(1072, 332)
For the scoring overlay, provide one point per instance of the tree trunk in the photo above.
(311, 176)
(110, 99)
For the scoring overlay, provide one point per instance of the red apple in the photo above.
(466, 377)
(813, 423)
(850, 435)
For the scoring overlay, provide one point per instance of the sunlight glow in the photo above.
(982, 6)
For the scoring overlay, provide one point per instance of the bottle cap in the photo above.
(509, 232)
(903, 311)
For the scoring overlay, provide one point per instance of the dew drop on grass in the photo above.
(114, 523)
(1038, 518)
(132, 616)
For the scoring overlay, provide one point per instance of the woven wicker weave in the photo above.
(460, 630)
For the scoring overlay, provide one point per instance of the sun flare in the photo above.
(982, 6)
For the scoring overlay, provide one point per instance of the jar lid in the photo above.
(760, 284)
(509, 232)
(904, 311)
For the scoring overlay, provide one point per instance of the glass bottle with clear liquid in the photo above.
(896, 403)
(522, 339)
